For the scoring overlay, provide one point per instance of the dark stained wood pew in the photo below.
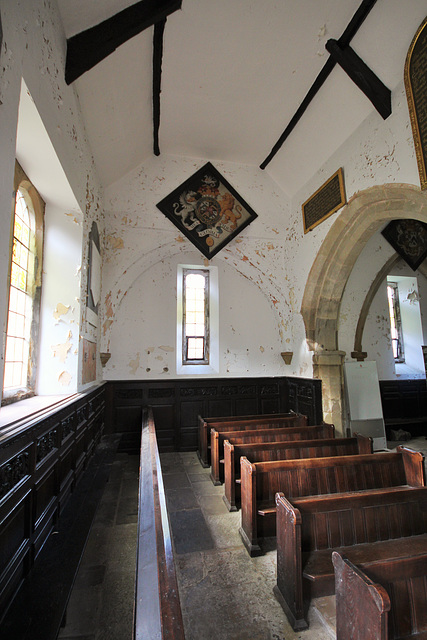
(366, 526)
(283, 450)
(260, 481)
(204, 427)
(386, 599)
(217, 439)
(248, 436)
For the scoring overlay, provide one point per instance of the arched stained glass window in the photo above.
(24, 291)
(20, 298)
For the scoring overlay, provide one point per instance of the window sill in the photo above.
(24, 409)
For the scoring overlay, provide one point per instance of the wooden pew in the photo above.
(217, 439)
(260, 481)
(265, 435)
(366, 526)
(283, 450)
(382, 600)
(203, 451)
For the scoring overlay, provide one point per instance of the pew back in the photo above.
(260, 481)
(204, 426)
(284, 450)
(217, 439)
(369, 526)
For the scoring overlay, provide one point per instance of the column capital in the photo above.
(329, 358)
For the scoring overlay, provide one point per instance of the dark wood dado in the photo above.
(177, 403)
(41, 459)
(404, 404)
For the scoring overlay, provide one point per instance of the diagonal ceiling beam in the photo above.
(351, 29)
(362, 76)
(86, 49)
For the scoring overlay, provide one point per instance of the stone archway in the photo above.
(364, 214)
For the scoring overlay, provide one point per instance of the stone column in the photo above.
(328, 367)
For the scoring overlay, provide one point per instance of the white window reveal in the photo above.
(197, 320)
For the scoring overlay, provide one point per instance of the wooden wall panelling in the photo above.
(305, 396)
(177, 403)
(41, 459)
(404, 404)
(14, 547)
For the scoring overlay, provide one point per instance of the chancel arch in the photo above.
(362, 217)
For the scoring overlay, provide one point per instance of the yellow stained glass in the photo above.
(18, 277)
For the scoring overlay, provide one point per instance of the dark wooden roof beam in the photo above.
(159, 28)
(351, 29)
(88, 48)
(362, 76)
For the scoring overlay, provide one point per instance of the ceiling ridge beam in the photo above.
(88, 48)
(348, 33)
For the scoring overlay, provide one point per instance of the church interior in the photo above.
(268, 159)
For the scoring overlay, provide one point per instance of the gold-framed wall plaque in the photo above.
(324, 202)
(416, 95)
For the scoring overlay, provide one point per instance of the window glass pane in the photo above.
(20, 302)
(195, 349)
(195, 320)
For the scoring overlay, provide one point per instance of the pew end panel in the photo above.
(229, 496)
(248, 528)
(362, 606)
(413, 462)
(289, 588)
(369, 527)
(365, 444)
(202, 451)
(215, 458)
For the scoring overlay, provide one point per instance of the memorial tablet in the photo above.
(416, 94)
(328, 198)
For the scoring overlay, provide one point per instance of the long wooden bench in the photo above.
(366, 526)
(267, 435)
(283, 450)
(218, 429)
(385, 600)
(204, 427)
(260, 481)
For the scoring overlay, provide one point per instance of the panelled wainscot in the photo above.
(177, 403)
(41, 459)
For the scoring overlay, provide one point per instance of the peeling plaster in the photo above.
(61, 350)
(74, 218)
(115, 243)
(65, 378)
(61, 310)
(134, 364)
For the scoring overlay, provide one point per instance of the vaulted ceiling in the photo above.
(234, 73)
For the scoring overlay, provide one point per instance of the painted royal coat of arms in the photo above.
(207, 210)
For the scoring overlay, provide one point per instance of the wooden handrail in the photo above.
(157, 613)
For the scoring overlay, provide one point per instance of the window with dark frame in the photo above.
(395, 322)
(195, 328)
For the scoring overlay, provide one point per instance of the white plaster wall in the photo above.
(378, 152)
(254, 269)
(60, 309)
(34, 48)
(376, 339)
(273, 253)
(375, 254)
(411, 319)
